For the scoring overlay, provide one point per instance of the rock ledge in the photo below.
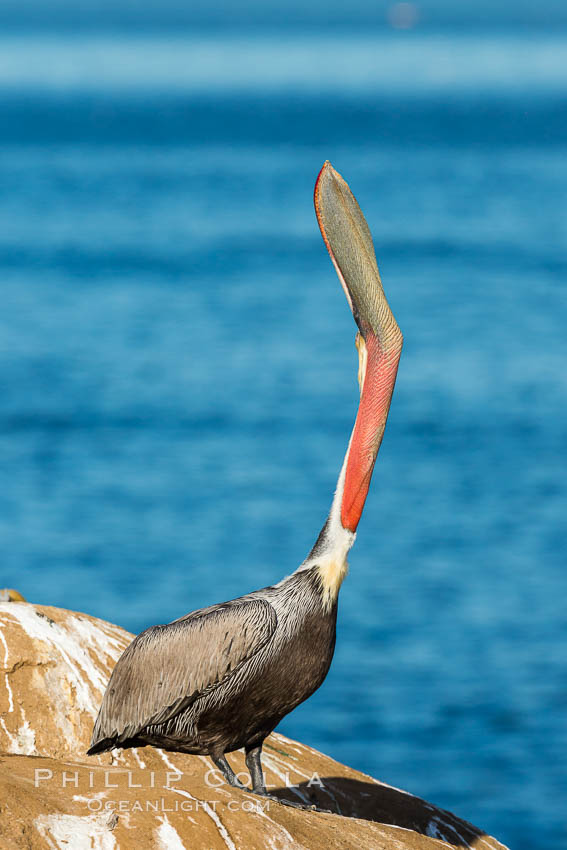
(54, 668)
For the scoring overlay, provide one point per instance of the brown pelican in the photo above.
(221, 678)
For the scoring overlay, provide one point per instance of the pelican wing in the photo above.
(166, 668)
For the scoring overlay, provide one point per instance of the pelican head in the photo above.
(379, 342)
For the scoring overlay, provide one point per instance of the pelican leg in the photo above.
(254, 765)
(227, 771)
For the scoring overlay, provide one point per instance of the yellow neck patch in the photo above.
(331, 575)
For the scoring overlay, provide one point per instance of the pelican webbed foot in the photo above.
(305, 807)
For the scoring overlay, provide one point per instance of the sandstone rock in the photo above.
(54, 665)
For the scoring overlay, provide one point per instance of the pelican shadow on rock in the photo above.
(383, 804)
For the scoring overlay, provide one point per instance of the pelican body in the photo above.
(221, 678)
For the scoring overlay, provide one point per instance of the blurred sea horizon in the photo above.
(179, 374)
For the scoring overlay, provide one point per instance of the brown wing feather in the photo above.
(166, 668)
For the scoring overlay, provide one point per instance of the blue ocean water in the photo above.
(179, 376)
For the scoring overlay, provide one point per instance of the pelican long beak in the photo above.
(379, 344)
